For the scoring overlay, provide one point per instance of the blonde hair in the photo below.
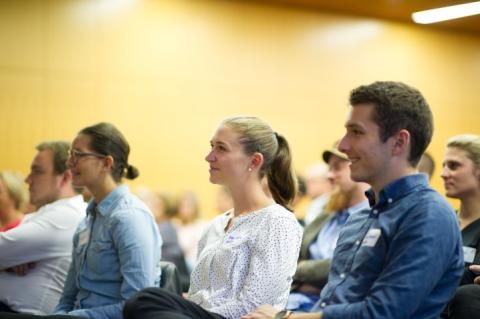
(257, 136)
(338, 201)
(470, 143)
(15, 186)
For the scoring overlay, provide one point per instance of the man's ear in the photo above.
(401, 143)
(67, 177)
(477, 173)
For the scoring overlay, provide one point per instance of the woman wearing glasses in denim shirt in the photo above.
(116, 248)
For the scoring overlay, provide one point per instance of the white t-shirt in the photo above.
(45, 238)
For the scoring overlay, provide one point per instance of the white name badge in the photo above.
(469, 254)
(371, 238)
(233, 239)
(83, 237)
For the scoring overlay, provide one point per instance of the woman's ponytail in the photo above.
(282, 181)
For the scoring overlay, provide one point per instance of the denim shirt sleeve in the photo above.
(412, 268)
(70, 290)
(69, 293)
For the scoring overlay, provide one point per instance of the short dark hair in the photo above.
(106, 139)
(60, 154)
(398, 106)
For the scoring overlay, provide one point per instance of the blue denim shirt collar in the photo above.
(397, 189)
(105, 206)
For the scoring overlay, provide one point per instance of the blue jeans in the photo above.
(301, 301)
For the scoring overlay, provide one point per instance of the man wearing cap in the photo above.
(320, 236)
(402, 258)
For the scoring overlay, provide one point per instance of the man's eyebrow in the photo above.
(353, 125)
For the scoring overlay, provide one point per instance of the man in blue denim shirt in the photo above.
(403, 257)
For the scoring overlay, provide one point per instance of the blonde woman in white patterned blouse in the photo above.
(248, 255)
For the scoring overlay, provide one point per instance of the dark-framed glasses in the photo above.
(75, 155)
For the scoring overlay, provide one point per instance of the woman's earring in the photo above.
(249, 169)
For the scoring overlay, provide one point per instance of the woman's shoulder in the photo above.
(218, 222)
(129, 208)
(277, 216)
(277, 211)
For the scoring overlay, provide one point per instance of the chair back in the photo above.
(170, 278)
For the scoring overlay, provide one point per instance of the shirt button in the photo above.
(357, 242)
(342, 275)
(323, 304)
(390, 200)
(375, 211)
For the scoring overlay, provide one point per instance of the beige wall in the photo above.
(166, 72)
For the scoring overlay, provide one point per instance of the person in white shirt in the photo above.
(248, 254)
(35, 256)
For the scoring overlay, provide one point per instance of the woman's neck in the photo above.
(469, 210)
(101, 190)
(248, 198)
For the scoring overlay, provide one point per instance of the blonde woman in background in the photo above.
(461, 178)
(13, 196)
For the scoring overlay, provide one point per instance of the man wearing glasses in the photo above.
(35, 256)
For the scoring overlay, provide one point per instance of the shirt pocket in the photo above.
(344, 253)
(102, 259)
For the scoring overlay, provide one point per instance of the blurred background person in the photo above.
(190, 226)
(13, 197)
(318, 189)
(426, 165)
(301, 200)
(461, 177)
(163, 207)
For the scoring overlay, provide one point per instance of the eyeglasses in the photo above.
(76, 155)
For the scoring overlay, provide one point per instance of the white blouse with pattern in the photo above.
(249, 265)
